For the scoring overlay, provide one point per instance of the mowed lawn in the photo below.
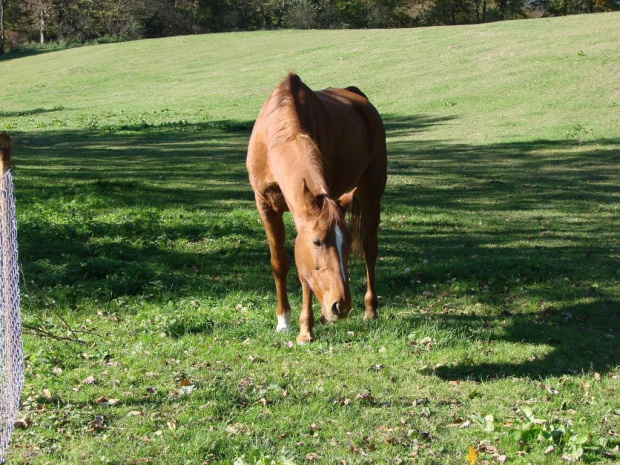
(145, 259)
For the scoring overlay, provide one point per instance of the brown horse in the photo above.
(314, 154)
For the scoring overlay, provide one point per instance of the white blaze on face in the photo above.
(339, 240)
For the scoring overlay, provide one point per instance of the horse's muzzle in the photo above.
(338, 310)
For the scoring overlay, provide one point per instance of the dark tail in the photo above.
(357, 91)
(355, 225)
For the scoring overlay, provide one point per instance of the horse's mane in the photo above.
(326, 206)
(295, 117)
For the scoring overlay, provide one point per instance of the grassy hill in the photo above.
(500, 251)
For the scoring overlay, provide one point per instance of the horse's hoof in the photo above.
(370, 315)
(304, 339)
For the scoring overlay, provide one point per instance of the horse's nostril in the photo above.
(336, 308)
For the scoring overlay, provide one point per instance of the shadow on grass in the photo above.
(526, 230)
(34, 111)
(582, 337)
(104, 216)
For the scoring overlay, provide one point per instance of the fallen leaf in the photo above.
(97, 423)
(186, 390)
(238, 428)
(89, 380)
(57, 371)
(23, 423)
(185, 382)
(472, 456)
(460, 423)
(135, 413)
(501, 458)
(311, 457)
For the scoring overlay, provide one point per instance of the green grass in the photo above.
(499, 269)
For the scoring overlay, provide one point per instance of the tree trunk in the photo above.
(1, 27)
(484, 11)
(42, 27)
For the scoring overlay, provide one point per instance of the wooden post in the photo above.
(5, 152)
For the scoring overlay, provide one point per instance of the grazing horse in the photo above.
(315, 153)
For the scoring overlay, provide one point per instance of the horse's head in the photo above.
(322, 249)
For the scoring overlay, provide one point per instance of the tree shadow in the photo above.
(34, 111)
(582, 337)
(493, 218)
(65, 179)
(505, 221)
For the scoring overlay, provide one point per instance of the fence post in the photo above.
(5, 152)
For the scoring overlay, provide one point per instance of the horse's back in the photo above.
(363, 144)
(344, 124)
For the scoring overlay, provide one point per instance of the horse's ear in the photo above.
(313, 202)
(345, 199)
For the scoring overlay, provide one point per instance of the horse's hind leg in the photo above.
(371, 212)
(274, 227)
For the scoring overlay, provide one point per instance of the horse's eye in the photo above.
(318, 242)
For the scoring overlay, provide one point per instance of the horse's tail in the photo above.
(355, 225)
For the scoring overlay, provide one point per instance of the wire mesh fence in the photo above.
(11, 361)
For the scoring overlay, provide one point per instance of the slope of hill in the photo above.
(502, 81)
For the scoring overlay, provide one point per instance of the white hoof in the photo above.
(284, 322)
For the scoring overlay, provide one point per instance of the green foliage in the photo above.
(68, 23)
(558, 438)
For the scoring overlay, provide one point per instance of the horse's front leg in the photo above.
(276, 236)
(306, 317)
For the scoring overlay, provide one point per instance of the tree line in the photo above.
(24, 22)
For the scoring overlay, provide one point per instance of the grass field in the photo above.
(499, 272)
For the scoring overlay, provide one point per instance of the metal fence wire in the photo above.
(11, 361)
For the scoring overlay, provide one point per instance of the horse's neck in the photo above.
(293, 164)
